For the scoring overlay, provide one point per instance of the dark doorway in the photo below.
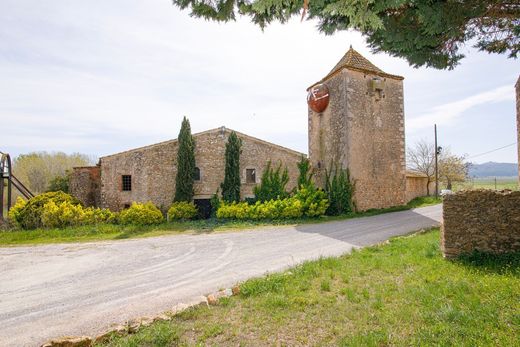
(204, 207)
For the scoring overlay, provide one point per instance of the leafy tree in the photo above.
(231, 185)
(36, 170)
(305, 173)
(272, 186)
(60, 183)
(452, 168)
(424, 32)
(340, 190)
(421, 158)
(185, 164)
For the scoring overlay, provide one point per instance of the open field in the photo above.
(401, 293)
(116, 232)
(488, 183)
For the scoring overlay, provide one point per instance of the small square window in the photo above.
(250, 176)
(126, 183)
(196, 174)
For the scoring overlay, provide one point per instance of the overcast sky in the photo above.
(98, 77)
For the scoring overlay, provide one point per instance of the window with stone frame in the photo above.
(250, 175)
(126, 183)
(196, 174)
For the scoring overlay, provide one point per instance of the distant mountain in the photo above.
(491, 169)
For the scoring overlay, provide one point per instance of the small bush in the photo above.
(141, 214)
(272, 186)
(14, 211)
(182, 210)
(30, 216)
(314, 202)
(340, 191)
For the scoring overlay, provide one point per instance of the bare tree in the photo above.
(421, 158)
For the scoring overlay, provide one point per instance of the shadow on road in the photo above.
(367, 231)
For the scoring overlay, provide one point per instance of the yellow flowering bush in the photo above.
(182, 210)
(141, 214)
(14, 211)
(30, 215)
(308, 202)
(67, 214)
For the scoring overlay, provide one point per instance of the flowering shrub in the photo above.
(30, 215)
(141, 214)
(307, 203)
(14, 211)
(182, 210)
(67, 214)
(314, 201)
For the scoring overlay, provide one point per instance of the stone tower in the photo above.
(362, 129)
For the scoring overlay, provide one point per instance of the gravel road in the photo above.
(80, 289)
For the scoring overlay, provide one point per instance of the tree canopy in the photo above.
(424, 32)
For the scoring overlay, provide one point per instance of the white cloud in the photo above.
(448, 113)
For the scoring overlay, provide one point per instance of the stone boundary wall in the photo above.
(416, 187)
(482, 220)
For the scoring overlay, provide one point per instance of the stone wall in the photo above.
(482, 220)
(85, 184)
(364, 132)
(416, 186)
(153, 169)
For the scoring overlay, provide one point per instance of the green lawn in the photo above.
(488, 183)
(116, 232)
(402, 293)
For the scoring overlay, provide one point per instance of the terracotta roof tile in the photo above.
(355, 61)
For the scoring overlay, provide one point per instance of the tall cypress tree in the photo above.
(231, 185)
(185, 164)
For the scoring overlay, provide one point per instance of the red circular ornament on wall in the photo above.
(318, 98)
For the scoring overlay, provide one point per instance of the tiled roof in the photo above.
(355, 61)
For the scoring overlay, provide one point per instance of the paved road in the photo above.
(80, 289)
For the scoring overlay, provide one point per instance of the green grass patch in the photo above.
(103, 232)
(501, 183)
(402, 293)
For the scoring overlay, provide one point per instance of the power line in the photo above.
(493, 150)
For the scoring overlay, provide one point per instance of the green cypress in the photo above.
(185, 164)
(231, 185)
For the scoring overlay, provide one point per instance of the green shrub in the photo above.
(14, 211)
(67, 214)
(314, 202)
(272, 186)
(182, 210)
(141, 214)
(340, 190)
(309, 204)
(30, 216)
(305, 172)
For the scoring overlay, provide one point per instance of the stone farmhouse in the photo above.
(360, 128)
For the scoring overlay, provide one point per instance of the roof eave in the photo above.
(377, 73)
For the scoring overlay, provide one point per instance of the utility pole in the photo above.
(436, 164)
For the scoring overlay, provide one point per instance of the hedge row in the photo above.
(58, 210)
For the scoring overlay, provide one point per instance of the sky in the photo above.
(99, 77)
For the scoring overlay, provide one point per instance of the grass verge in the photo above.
(102, 232)
(402, 293)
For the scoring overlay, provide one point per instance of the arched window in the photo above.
(196, 174)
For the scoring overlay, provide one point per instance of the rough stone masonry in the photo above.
(481, 220)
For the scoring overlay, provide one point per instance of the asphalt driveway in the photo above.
(80, 289)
